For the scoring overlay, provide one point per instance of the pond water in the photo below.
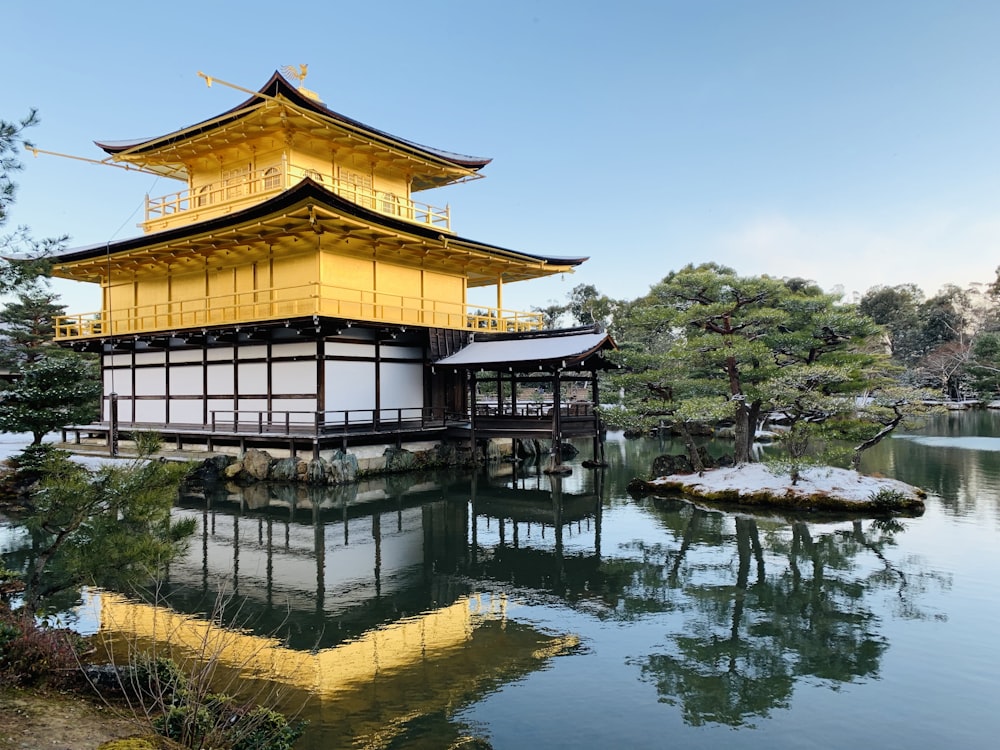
(541, 612)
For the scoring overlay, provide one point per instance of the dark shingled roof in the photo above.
(565, 347)
(307, 189)
(277, 85)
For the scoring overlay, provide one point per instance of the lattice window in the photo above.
(235, 181)
(357, 186)
(388, 203)
(272, 178)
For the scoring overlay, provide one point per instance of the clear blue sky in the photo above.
(851, 142)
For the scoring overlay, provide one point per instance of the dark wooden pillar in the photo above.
(595, 400)
(472, 413)
(557, 418)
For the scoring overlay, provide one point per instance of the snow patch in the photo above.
(751, 480)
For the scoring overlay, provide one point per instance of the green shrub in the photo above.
(886, 500)
(261, 727)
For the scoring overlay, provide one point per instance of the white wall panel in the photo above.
(251, 352)
(186, 411)
(124, 411)
(297, 349)
(119, 381)
(150, 358)
(186, 380)
(292, 377)
(339, 349)
(150, 411)
(304, 410)
(253, 377)
(222, 354)
(185, 355)
(402, 385)
(220, 379)
(350, 385)
(252, 405)
(151, 381)
(223, 405)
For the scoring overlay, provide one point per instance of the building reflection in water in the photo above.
(364, 603)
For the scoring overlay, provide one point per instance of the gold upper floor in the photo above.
(237, 188)
(277, 138)
(291, 209)
(299, 260)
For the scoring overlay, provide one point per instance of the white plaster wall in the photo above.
(252, 405)
(297, 349)
(150, 411)
(185, 355)
(305, 410)
(292, 377)
(186, 380)
(253, 377)
(186, 411)
(350, 385)
(119, 381)
(221, 404)
(220, 379)
(150, 358)
(341, 349)
(151, 381)
(251, 352)
(224, 353)
(402, 385)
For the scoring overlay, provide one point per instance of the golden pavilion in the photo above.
(295, 292)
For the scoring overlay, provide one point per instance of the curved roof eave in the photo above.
(305, 190)
(539, 349)
(278, 85)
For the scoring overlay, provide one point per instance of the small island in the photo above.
(820, 488)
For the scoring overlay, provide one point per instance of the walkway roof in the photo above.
(568, 348)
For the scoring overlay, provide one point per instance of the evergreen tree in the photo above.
(706, 345)
(27, 327)
(48, 394)
(110, 528)
(32, 253)
(984, 364)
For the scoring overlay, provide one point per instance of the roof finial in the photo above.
(298, 74)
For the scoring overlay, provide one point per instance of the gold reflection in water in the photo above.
(368, 687)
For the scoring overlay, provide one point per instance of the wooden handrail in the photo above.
(274, 179)
(274, 303)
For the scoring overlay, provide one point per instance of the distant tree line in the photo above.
(950, 342)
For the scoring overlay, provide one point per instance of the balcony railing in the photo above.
(290, 302)
(217, 197)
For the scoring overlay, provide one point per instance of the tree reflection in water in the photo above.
(789, 604)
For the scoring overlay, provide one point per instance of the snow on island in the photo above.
(818, 488)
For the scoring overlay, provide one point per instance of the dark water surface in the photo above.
(546, 613)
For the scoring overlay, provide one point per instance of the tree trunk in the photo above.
(745, 430)
(692, 450)
(873, 441)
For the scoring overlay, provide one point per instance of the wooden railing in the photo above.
(208, 199)
(333, 422)
(289, 302)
